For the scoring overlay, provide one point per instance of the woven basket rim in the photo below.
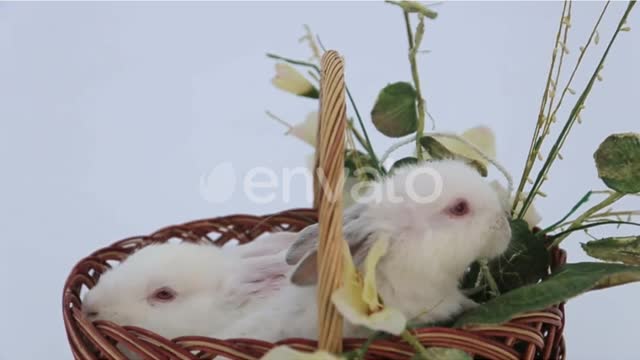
(497, 341)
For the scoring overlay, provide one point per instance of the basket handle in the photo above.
(328, 185)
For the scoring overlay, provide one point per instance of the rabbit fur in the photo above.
(211, 287)
(440, 216)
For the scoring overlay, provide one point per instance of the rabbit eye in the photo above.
(459, 208)
(164, 294)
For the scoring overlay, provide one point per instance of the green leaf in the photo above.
(415, 7)
(436, 150)
(618, 162)
(526, 261)
(568, 282)
(440, 353)
(359, 164)
(406, 161)
(394, 113)
(624, 249)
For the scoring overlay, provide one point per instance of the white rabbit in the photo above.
(440, 216)
(189, 289)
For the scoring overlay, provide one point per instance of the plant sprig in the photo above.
(553, 154)
(608, 201)
(414, 41)
(369, 146)
(561, 235)
(414, 46)
(535, 140)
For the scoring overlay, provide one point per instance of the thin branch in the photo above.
(415, 343)
(572, 116)
(579, 61)
(531, 157)
(580, 220)
(308, 37)
(564, 233)
(357, 134)
(414, 45)
(294, 62)
(369, 147)
(278, 119)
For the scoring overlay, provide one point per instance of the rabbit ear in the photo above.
(306, 273)
(261, 276)
(308, 238)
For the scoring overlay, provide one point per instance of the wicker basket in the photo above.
(531, 336)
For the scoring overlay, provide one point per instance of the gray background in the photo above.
(112, 113)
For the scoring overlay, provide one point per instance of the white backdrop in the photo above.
(111, 113)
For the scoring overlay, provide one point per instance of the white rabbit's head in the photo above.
(182, 289)
(444, 210)
(440, 216)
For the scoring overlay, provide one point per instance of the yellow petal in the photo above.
(388, 320)
(358, 300)
(286, 353)
(306, 130)
(351, 281)
(532, 217)
(370, 291)
(480, 136)
(356, 312)
(483, 138)
(289, 79)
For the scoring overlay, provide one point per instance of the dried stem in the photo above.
(579, 61)
(531, 157)
(612, 198)
(278, 119)
(615, 213)
(603, 215)
(491, 281)
(415, 343)
(357, 134)
(414, 45)
(550, 117)
(311, 41)
(572, 117)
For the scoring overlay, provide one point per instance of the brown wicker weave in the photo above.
(531, 336)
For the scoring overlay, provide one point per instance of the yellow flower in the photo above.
(532, 217)
(306, 130)
(480, 136)
(358, 300)
(289, 79)
(286, 353)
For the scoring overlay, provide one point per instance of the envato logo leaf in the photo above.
(219, 184)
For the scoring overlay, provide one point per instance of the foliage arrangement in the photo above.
(519, 281)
